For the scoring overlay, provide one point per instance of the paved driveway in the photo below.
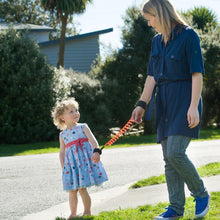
(29, 184)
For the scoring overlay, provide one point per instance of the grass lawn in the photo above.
(126, 141)
(210, 169)
(148, 212)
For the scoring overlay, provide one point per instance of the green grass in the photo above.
(153, 180)
(210, 169)
(209, 134)
(126, 141)
(24, 149)
(148, 212)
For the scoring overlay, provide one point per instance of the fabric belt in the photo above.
(149, 113)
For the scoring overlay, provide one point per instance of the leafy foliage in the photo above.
(88, 92)
(210, 42)
(123, 74)
(23, 11)
(93, 109)
(202, 17)
(65, 6)
(26, 91)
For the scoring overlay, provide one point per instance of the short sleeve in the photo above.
(150, 71)
(194, 53)
(61, 133)
(150, 67)
(83, 125)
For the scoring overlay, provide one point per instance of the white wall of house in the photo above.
(39, 36)
(36, 32)
(79, 54)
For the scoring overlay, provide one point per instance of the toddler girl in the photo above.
(79, 155)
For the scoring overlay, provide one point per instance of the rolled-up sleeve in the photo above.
(194, 53)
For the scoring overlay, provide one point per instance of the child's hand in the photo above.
(95, 157)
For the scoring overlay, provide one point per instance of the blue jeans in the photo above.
(179, 170)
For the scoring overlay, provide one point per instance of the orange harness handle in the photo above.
(119, 134)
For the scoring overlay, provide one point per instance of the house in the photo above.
(80, 50)
(36, 32)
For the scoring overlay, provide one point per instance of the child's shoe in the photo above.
(169, 214)
(202, 206)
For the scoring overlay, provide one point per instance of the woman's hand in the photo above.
(193, 117)
(95, 157)
(193, 113)
(137, 114)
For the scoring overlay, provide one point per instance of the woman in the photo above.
(175, 72)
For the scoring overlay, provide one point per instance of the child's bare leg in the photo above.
(86, 201)
(73, 201)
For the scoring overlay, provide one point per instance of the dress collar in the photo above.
(176, 31)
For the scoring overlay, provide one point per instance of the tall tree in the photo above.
(63, 10)
(202, 17)
(23, 11)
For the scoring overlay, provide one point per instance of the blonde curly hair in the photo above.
(60, 109)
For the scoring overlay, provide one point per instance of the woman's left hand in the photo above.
(95, 157)
(193, 117)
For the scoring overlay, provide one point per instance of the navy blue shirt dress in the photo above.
(172, 67)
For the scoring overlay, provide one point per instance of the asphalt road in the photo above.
(29, 184)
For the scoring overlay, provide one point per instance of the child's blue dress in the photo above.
(79, 171)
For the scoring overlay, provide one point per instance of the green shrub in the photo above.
(89, 94)
(210, 42)
(26, 90)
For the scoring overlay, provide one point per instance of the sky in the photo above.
(103, 14)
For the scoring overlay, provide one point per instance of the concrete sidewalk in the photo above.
(120, 197)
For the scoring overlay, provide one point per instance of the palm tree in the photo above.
(201, 17)
(63, 10)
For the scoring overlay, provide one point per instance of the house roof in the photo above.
(30, 27)
(76, 37)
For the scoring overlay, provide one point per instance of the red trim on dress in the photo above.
(79, 143)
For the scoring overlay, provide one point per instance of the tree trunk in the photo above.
(60, 61)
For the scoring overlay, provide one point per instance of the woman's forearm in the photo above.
(197, 81)
(148, 89)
